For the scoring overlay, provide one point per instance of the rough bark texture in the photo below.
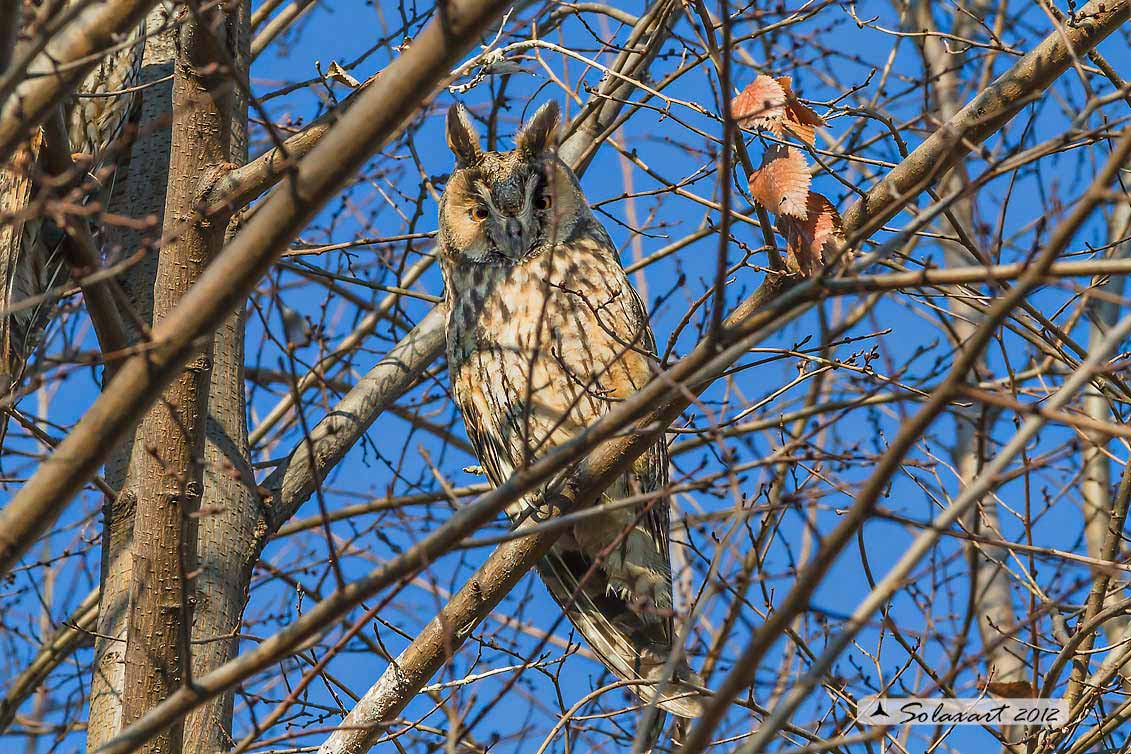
(660, 400)
(380, 113)
(223, 536)
(226, 533)
(166, 470)
(142, 187)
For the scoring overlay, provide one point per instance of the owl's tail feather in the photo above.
(631, 647)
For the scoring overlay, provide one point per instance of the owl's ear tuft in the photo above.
(463, 139)
(541, 132)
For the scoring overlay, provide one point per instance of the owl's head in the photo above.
(500, 208)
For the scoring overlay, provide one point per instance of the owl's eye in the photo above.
(542, 202)
(479, 213)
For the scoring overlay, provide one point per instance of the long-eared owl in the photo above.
(545, 335)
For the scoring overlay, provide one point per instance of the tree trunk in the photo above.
(165, 478)
(141, 192)
(992, 598)
(232, 513)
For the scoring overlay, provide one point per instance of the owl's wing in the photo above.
(652, 469)
(630, 645)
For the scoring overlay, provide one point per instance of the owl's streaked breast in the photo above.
(541, 349)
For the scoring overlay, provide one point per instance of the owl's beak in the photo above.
(515, 238)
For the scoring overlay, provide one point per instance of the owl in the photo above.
(30, 261)
(544, 336)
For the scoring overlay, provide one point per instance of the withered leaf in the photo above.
(781, 184)
(811, 241)
(798, 118)
(1011, 689)
(770, 103)
(760, 105)
(340, 75)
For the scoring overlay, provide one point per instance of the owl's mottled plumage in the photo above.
(545, 335)
(30, 262)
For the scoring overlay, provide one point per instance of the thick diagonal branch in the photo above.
(587, 131)
(911, 431)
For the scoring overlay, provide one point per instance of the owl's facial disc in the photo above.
(506, 213)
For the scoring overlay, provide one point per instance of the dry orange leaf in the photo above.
(1010, 689)
(760, 105)
(1013, 689)
(781, 185)
(771, 104)
(798, 118)
(811, 241)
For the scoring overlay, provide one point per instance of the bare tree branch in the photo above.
(989, 110)
(1101, 511)
(991, 600)
(57, 647)
(832, 545)
(824, 394)
(277, 25)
